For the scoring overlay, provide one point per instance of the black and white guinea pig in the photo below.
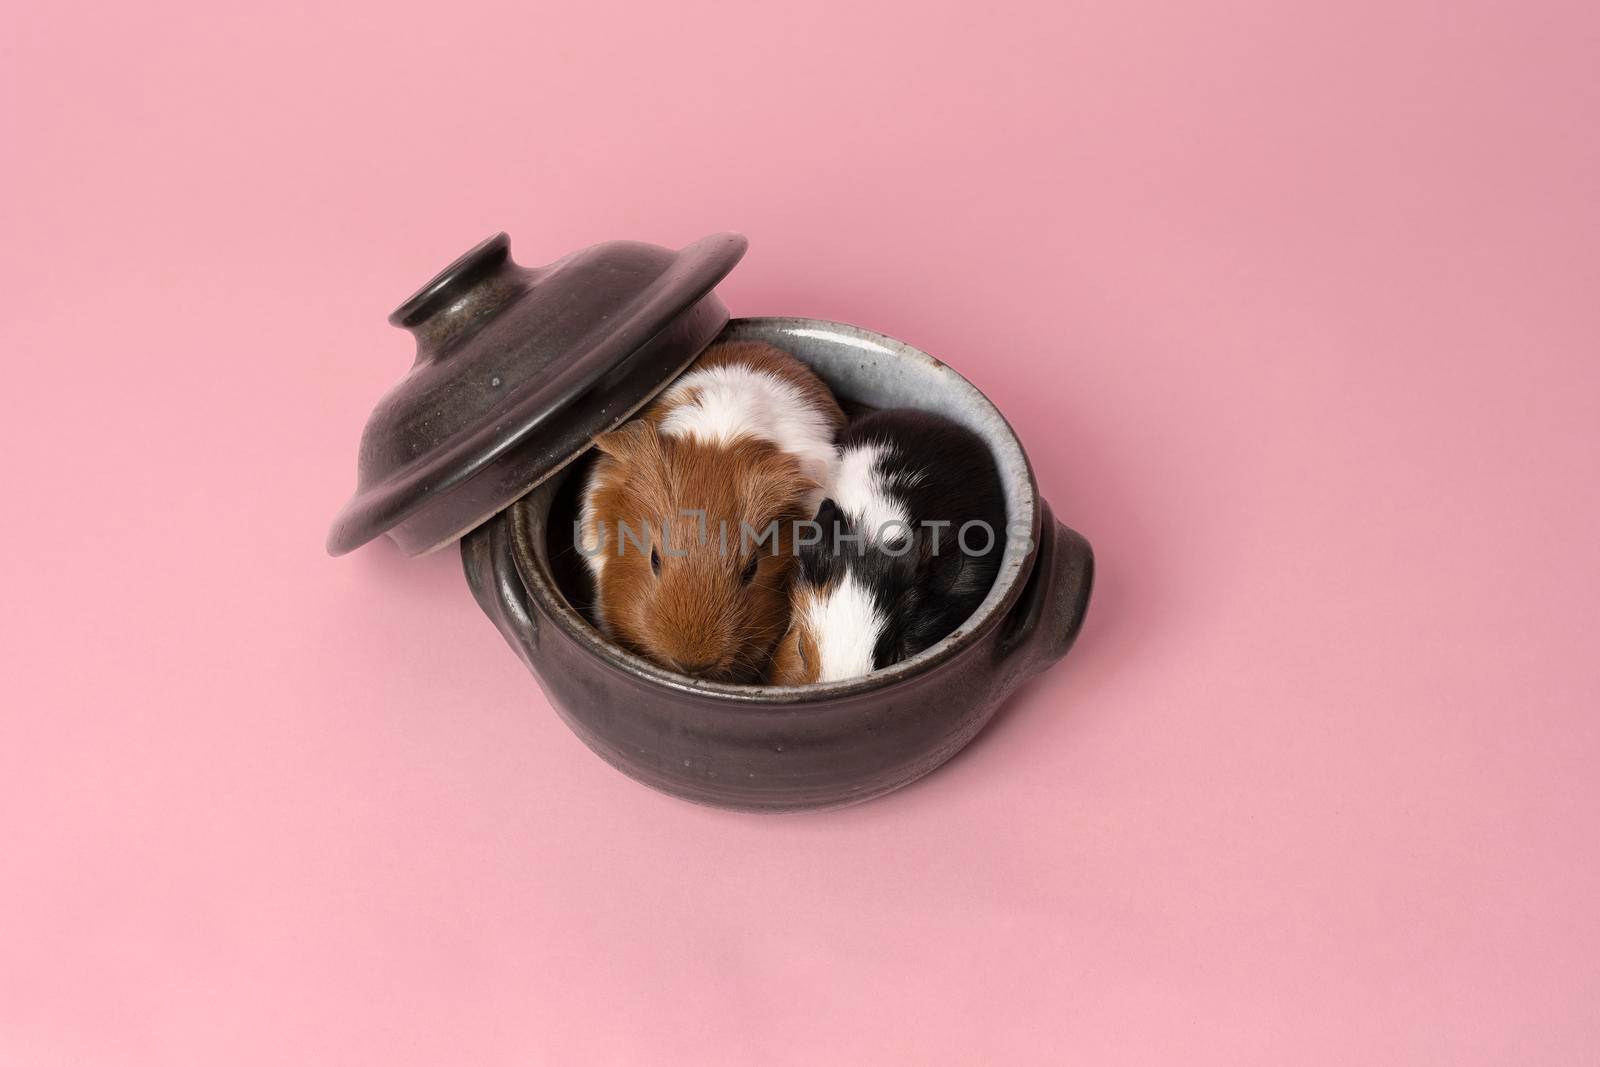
(912, 535)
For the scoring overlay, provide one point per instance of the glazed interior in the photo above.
(865, 370)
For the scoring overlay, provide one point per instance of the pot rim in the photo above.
(540, 584)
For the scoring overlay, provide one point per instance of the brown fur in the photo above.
(796, 660)
(697, 615)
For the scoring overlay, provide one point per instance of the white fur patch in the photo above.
(845, 623)
(862, 493)
(587, 532)
(737, 401)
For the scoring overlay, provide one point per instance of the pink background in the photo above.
(1294, 306)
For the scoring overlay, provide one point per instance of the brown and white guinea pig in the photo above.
(912, 536)
(743, 441)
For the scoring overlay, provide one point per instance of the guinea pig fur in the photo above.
(891, 574)
(676, 514)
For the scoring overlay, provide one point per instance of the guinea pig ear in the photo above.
(626, 441)
(772, 485)
(828, 514)
(831, 522)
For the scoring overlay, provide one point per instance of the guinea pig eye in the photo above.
(655, 560)
(750, 570)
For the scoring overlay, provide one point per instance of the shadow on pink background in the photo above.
(1293, 305)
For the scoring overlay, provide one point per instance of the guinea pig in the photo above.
(911, 538)
(686, 519)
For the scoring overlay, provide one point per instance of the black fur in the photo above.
(933, 586)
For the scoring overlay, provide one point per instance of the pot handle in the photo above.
(1045, 622)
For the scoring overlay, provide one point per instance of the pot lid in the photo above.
(518, 369)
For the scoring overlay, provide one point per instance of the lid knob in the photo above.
(445, 313)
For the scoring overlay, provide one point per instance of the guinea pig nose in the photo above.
(695, 668)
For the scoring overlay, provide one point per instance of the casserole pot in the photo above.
(488, 437)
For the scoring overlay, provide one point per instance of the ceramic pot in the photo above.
(768, 748)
